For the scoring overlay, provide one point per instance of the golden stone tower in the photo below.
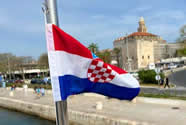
(142, 27)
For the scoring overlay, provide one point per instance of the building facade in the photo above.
(141, 48)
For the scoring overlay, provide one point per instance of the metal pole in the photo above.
(51, 16)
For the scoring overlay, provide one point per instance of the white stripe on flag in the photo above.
(126, 80)
(68, 64)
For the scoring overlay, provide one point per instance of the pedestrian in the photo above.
(166, 82)
(15, 87)
(45, 80)
(42, 91)
(38, 90)
(162, 81)
(12, 88)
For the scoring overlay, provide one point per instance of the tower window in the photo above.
(148, 57)
(142, 57)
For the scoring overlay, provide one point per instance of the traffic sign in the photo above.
(158, 77)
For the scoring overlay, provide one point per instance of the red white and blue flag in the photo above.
(75, 69)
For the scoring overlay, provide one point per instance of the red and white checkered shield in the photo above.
(99, 71)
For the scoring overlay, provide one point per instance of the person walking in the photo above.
(166, 82)
(42, 91)
(162, 81)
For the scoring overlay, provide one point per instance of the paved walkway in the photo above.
(145, 110)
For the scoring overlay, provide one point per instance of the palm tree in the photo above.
(93, 47)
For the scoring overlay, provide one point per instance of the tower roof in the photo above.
(141, 19)
(136, 34)
(141, 34)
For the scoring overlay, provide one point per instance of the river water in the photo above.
(8, 117)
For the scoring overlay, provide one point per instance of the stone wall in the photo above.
(145, 53)
(178, 92)
(130, 55)
(75, 117)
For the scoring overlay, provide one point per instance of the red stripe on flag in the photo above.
(65, 42)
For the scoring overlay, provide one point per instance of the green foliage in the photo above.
(162, 75)
(182, 36)
(164, 95)
(93, 47)
(105, 56)
(148, 76)
(43, 61)
(181, 52)
(47, 86)
(15, 84)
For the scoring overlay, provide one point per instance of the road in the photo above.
(178, 78)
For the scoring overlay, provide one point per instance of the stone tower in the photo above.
(142, 27)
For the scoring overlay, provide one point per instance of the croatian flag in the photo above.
(75, 69)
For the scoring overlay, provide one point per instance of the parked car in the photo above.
(19, 81)
(37, 81)
(10, 81)
(180, 65)
(172, 66)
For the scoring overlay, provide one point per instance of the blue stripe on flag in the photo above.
(70, 85)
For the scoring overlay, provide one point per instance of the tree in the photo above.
(43, 61)
(181, 52)
(93, 47)
(7, 62)
(105, 56)
(148, 76)
(10, 63)
(182, 37)
(117, 52)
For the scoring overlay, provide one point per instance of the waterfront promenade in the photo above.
(82, 109)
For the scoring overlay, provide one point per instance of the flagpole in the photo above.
(51, 16)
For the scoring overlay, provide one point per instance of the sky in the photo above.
(22, 30)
